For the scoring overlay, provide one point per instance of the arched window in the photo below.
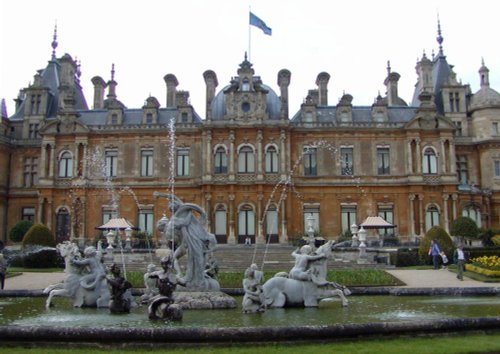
(221, 224)
(246, 223)
(66, 165)
(245, 85)
(429, 161)
(220, 163)
(271, 160)
(246, 160)
(473, 213)
(431, 217)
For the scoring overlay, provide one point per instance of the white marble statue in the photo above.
(85, 280)
(306, 283)
(190, 238)
(254, 299)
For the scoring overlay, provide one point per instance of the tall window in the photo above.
(246, 223)
(114, 118)
(429, 161)
(271, 160)
(147, 163)
(386, 213)
(497, 168)
(271, 223)
(220, 165)
(33, 131)
(455, 101)
(111, 160)
(346, 161)
(220, 221)
(36, 101)
(458, 132)
(66, 165)
(310, 162)
(462, 170)
(311, 216)
(494, 129)
(182, 162)
(473, 213)
(246, 160)
(383, 161)
(348, 216)
(146, 221)
(149, 118)
(431, 217)
(108, 214)
(28, 213)
(30, 177)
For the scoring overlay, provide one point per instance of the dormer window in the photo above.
(245, 85)
(149, 118)
(114, 118)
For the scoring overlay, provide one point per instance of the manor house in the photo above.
(256, 168)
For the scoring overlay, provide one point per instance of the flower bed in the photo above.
(486, 265)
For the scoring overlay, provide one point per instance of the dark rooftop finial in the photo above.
(113, 72)
(440, 38)
(54, 42)
(388, 67)
(245, 56)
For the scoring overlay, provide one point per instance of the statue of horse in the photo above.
(96, 295)
(282, 291)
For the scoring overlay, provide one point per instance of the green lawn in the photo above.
(459, 344)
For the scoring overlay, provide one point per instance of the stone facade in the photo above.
(255, 168)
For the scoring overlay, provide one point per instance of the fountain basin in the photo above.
(26, 320)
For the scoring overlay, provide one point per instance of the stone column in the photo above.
(282, 154)
(83, 216)
(260, 239)
(43, 162)
(453, 161)
(421, 212)
(259, 153)
(231, 238)
(231, 156)
(52, 163)
(410, 158)
(445, 210)
(418, 156)
(454, 198)
(411, 197)
(39, 214)
(209, 155)
(282, 213)
(208, 210)
(76, 159)
(443, 157)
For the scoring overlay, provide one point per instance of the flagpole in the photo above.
(249, 35)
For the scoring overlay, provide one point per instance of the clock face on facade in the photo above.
(245, 107)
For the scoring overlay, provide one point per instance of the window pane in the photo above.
(272, 222)
(220, 222)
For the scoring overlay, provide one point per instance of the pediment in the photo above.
(429, 122)
(65, 125)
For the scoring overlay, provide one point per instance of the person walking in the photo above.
(459, 260)
(3, 270)
(434, 252)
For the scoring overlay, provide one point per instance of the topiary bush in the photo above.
(43, 258)
(18, 231)
(442, 238)
(406, 257)
(464, 228)
(40, 235)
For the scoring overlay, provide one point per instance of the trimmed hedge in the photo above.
(406, 257)
(16, 234)
(39, 235)
(442, 238)
(483, 271)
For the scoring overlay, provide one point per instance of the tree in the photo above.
(464, 227)
(18, 231)
(40, 235)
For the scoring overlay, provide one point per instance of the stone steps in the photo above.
(237, 258)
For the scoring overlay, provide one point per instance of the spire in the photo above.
(484, 75)
(54, 42)
(3, 109)
(440, 38)
(112, 84)
(388, 67)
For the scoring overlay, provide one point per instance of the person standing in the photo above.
(434, 252)
(459, 260)
(3, 270)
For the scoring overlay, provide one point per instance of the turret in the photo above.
(322, 82)
(99, 87)
(211, 84)
(391, 84)
(284, 77)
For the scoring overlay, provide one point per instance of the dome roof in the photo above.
(485, 97)
(273, 103)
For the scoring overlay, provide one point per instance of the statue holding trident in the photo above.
(189, 237)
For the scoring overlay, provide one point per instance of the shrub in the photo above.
(406, 257)
(442, 238)
(496, 240)
(18, 231)
(43, 258)
(464, 227)
(39, 234)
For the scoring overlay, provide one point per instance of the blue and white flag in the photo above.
(257, 22)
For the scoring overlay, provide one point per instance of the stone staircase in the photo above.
(236, 258)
